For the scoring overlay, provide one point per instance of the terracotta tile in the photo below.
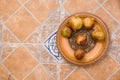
(41, 54)
(102, 69)
(4, 75)
(7, 49)
(8, 37)
(7, 8)
(111, 24)
(65, 70)
(42, 33)
(23, 1)
(116, 76)
(39, 74)
(80, 5)
(101, 1)
(20, 63)
(78, 74)
(52, 70)
(113, 7)
(42, 9)
(22, 24)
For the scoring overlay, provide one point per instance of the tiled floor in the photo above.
(28, 33)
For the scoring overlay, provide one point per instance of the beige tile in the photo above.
(4, 75)
(42, 8)
(20, 63)
(39, 74)
(1, 32)
(78, 74)
(22, 24)
(80, 5)
(7, 8)
(65, 70)
(113, 6)
(41, 54)
(116, 76)
(0, 27)
(102, 69)
(42, 33)
(8, 37)
(52, 70)
(111, 24)
(64, 14)
(64, 61)
(54, 18)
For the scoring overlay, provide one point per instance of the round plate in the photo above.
(93, 55)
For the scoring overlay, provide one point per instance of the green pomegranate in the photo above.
(76, 23)
(66, 32)
(88, 22)
(98, 35)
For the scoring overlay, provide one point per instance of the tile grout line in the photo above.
(23, 43)
(9, 54)
(43, 23)
(48, 37)
(113, 73)
(5, 27)
(20, 7)
(8, 71)
(23, 5)
(101, 5)
(1, 43)
(50, 53)
(70, 73)
(111, 15)
(36, 59)
(87, 73)
(58, 73)
(31, 71)
(47, 72)
(30, 53)
(40, 26)
(31, 14)
(114, 59)
(13, 14)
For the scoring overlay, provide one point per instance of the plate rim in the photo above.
(105, 27)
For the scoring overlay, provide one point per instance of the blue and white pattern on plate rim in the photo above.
(50, 45)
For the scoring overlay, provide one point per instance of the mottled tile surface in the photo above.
(20, 62)
(42, 8)
(112, 24)
(7, 8)
(28, 40)
(4, 74)
(39, 74)
(78, 74)
(116, 76)
(102, 69)
(22, 24)
(113, 7)
(80, 6)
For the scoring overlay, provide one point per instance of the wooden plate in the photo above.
(94, 54)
